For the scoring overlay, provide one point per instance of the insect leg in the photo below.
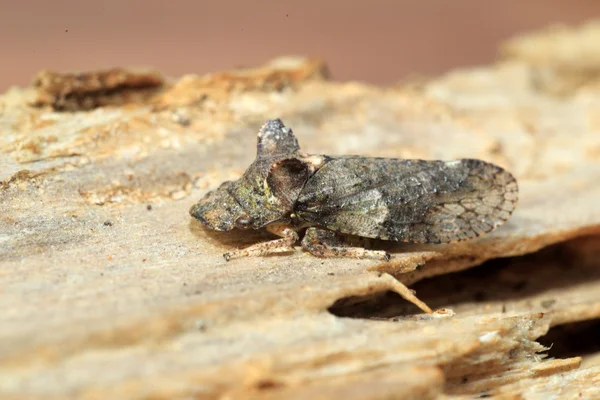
(289, 237)
(324, 243)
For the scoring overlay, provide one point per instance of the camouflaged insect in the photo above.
(417, 201)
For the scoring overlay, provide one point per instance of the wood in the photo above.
(108, 289)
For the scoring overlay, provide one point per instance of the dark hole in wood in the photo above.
(572, 340)
(497, 283)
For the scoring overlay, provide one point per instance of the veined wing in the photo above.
(408, 200)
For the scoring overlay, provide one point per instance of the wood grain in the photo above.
(108, 289)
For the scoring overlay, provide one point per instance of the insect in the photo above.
(342, 200)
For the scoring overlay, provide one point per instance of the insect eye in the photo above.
(243, 222)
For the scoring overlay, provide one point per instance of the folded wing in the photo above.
(408, 200)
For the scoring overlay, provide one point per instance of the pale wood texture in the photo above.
(109, 290)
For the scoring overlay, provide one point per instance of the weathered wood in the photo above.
(108, 289)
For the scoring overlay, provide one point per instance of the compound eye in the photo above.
(243, 222)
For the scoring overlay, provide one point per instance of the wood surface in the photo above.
(109, 290)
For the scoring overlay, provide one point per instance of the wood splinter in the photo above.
(406, 293)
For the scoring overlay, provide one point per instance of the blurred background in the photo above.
(378, 41)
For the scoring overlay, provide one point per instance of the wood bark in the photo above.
(108, 289)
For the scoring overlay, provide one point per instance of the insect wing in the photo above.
(408, 200)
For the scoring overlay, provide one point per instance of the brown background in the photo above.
(378, 41)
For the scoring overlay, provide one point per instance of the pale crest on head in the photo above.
(274, 138)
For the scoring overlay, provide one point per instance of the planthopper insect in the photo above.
(341, 200)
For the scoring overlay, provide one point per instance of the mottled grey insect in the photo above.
(285, 191)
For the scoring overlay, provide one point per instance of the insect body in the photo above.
(342, 199)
